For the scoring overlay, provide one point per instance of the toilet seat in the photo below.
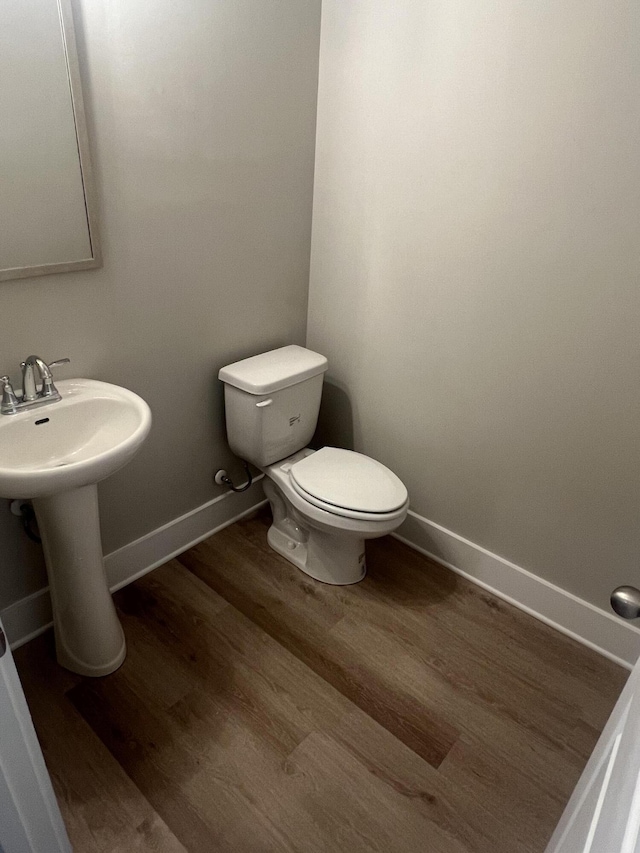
(349, 484)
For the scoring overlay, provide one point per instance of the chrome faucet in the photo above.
(29, 390)
(31, 397)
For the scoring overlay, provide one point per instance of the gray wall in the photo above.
(202, 120)
(475, 268)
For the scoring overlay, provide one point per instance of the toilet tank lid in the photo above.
(273, 370)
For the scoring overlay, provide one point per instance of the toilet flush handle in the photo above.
(264, 403)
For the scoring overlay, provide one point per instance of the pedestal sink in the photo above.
(56, 455)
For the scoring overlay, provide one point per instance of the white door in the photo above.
(603, 814)
(30, 821)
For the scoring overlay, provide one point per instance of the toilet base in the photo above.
(328, 547)
(325, 555)
(338, 560)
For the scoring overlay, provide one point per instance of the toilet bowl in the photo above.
(323, 539)
(326, 502)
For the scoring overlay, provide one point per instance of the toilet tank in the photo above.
(272, 402)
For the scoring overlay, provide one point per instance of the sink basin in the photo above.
(91, 432)
(55, 455)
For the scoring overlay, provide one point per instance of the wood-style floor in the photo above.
(259, 710)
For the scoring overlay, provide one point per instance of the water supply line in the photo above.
(26, 513)
(223, 479)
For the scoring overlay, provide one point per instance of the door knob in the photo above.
(625, 600)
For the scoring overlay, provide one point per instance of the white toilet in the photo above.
(325, 503)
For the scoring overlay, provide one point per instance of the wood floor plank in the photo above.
(391, 681)
(546, 658)
(235, 781)
(534, 808)
(103, 810)
(284, 617)
(275, 694)
(452, 661)
(478, 714)
(259, 710)
(241, 764)
(145, 746)
(428, 791)
(355, 808)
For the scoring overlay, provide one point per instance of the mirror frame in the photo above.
(68, 35)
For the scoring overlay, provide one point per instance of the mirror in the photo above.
(47, 200)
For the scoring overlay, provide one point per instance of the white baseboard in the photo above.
(605, 633)
(134, 560)
(30, 616)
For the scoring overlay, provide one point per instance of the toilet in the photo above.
(326, 502)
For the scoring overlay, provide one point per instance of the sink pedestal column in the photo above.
(89, 637)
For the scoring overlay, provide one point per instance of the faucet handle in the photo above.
(58, 362)
(9, 400)
(48, 388)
